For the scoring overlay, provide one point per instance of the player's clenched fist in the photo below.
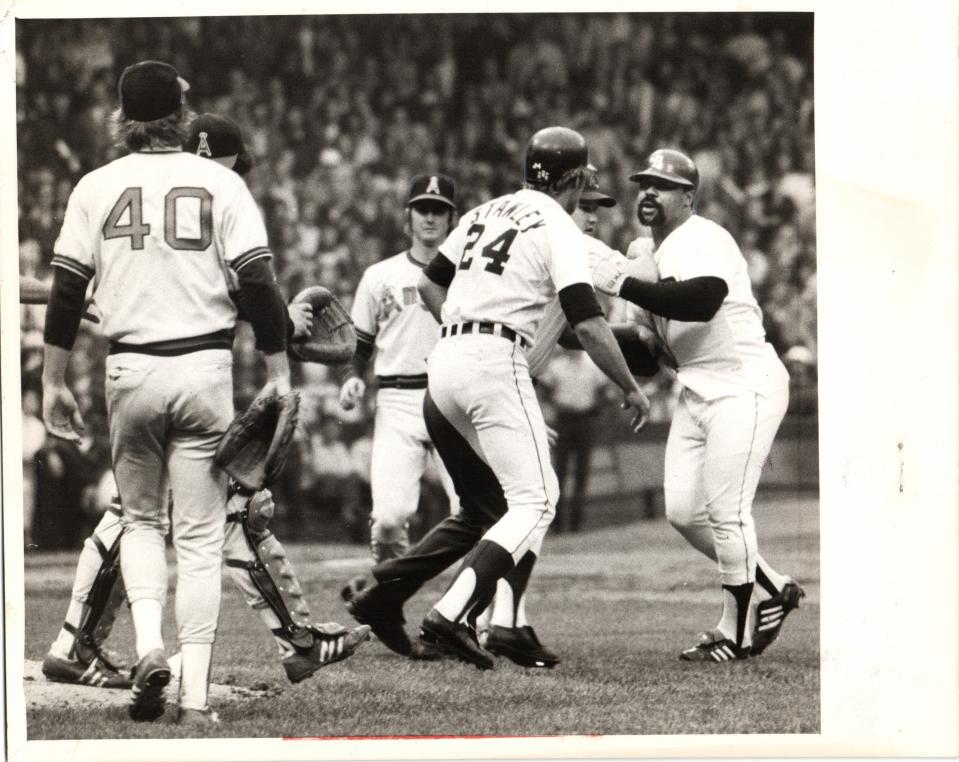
(641, 264)
(608, 276)
(301, 315)
(352, 392)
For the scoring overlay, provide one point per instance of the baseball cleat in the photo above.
(385, 618)
(771, 614)
(520, 645)
(96, 673)
(453, 638)
(353, 588)
(714, 646)
(197, 718)
(150, 676)
(331, 643)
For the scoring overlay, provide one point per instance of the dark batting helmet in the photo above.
(551, 153)
(669, 164)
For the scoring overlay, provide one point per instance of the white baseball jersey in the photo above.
(388, 311)
(554, 319)
(729, 354)
(512, 256)
(158, 247)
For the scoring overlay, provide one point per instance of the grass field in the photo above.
(618, 604)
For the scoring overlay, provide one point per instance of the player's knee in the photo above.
(388, 531)
(683, 510)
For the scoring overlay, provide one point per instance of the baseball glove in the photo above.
(332, 340)
(254, 447)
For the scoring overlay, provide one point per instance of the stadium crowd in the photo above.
(340, 111)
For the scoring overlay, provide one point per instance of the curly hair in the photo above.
(167, 132)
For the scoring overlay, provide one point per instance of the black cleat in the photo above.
(453, 638)
(771, 614)
(150, 676)
(385, 618)
(520, 645)
(714, 647)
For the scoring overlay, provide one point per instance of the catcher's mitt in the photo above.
(332, 339)
(254, 447)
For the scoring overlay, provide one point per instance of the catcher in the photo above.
(252, 451)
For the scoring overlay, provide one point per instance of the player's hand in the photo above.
(301, 314)
(61, 414)
(608, 276)
(552, 435)
(352, 392)
(638, 401)
(641, 264)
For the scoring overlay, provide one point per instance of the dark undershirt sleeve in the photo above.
(263, 306)
(579, 303)
(696, 300)
(440, 270)
(64, 308)
(241, 315)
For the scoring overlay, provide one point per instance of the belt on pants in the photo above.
(473, 326)
(402, 382)
(176, 347)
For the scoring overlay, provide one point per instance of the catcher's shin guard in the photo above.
(104, 598)
(267, 566)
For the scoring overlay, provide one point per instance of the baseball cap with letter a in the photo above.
(150, 90)
(433, 187)
(218, 137)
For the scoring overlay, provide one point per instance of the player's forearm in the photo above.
(241, 315)
(65, 309)
(433, 296)
(358, 363)
(696, 300)
(55, 361)
(263, 305)
(600, 344)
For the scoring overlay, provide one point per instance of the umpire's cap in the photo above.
(150, 90)
(435, 187)
(214, 137)
(672, 165)
(551, 153)
(592, 192)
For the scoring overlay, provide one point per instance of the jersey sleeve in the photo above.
(363, 311)
(77, 242)
(712, 252)
(243, 231)
(568, 260)
(452, 247)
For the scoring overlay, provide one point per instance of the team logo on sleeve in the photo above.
(434, 186)
(203, 147)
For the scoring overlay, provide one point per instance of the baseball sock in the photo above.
(510, 607)
(769, 581)
(195, 674)
(734, 621)
(63, 646)
(476, 581)
(147, 616)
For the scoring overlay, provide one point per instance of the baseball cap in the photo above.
(592, 191)
(150, 90)
(213, 136)
(433, 188)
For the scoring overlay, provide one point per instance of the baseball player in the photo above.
(490, 284)
(156, 230)
(508, 632)
(257, 561)
(390, 319)
(734, 394)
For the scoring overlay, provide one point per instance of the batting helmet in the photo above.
(551, 153)
(669, 164)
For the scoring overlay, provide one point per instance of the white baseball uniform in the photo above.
(512, 256)
(157, 232)
(388, 312)
(734, 395)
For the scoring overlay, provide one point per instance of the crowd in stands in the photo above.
(340, 112)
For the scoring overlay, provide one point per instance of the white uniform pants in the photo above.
(167, 415)
(715, 455)
(482, 386)
(401, 447)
